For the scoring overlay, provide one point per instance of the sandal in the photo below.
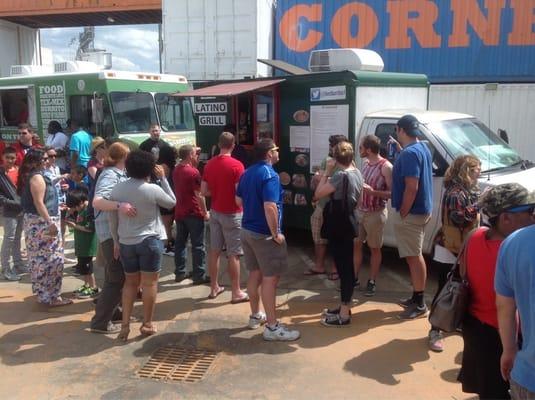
(333, 276)
(242, 299)
(125, 331)
(312, 271)
(59, 302)
(219, 291)
(147, 329)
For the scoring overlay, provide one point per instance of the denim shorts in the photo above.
(142, 257)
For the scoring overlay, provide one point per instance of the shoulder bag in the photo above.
(336, 216)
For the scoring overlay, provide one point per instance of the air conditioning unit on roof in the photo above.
(345, 60)
(24, 70)
(76, 66)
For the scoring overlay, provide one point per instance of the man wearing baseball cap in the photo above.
(412, 198)
(508, 207)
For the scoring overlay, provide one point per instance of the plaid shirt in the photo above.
(107, 180)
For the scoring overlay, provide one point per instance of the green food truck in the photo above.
(108, 103)
(300, 112)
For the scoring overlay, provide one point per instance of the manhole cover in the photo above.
(178, 364)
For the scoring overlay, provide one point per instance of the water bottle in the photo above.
(392, 149)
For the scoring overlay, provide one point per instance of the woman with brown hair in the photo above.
(459, 217)
(39, 202)
(345, 187)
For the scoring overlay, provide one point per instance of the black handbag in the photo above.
(337, 216)
(449, 308)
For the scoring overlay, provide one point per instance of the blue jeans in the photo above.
(192, 227)
(11, 243)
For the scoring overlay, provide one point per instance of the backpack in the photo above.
(337, 215)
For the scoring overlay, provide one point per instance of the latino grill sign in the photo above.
(52, 103)
(211, 114)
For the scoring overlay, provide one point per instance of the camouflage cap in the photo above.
(500, 198)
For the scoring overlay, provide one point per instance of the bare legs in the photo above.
(233, 271)
(418, 272)
(375, 259)
(264, 287)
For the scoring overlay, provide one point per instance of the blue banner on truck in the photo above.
(448, 40)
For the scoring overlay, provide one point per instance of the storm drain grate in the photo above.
(178, 364)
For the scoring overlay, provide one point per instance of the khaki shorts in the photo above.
(371, 227)
(225, 233)
(260, 252)
(316, 221)
(409, 233)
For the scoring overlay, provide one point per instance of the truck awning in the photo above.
(228, 89)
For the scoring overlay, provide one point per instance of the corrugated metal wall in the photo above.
(18, 45)
(449, 40)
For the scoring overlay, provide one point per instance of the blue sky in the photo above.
(133, 47)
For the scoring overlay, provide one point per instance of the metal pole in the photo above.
(160, 46)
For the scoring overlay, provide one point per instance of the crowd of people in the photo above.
(121, 206)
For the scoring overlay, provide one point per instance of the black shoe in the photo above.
(414, 311)
(335, 320)
(370, 288)
(406, 302)
(181, 277)
(331, 311)
(356, 285)
(202, 281)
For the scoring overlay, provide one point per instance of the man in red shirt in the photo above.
(221, 175)
(25, 142)
(190, 215)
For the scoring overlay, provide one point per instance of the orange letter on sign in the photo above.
(289, 27)
(422, 25)
(523, 21)
(367, 23)
(467, 12)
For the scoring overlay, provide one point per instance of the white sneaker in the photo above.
(256, 321)
(280, 333)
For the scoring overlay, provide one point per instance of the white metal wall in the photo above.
(18, 45)
(216, 39)
(505, 106)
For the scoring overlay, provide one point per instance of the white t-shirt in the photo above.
(58, 141)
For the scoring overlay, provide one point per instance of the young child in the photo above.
(85, 241)
(77, 178)
(12, 221)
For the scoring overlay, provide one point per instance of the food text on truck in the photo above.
(297, 26)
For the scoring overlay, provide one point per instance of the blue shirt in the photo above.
(81, 144)
(414, 161)
(515, 277)
(258, 184)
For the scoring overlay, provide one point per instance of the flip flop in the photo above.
(333, 276)
(243, 299)
(59, 302)
(311, 271)
(214, 295)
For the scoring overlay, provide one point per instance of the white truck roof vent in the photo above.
(345, 59)
(76, 66)
(24, 70)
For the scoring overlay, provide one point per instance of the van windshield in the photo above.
(133, 112)
(175, 113)
(470, 136)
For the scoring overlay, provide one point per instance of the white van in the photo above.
(449, 135)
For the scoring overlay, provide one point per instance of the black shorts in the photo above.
(85, 265)
(480, 370)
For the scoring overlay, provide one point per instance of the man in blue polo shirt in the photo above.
(264, 246)
(515, 287)
(412, 198)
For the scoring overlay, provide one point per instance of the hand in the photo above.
(207, 216)
(279, 238)
(367, 188)
(72, 224)
(52, 230)
(116, 251)
(329, 166)
(127, 209)
(159, 171)
(506, 363)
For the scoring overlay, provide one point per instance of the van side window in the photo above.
(80, 110)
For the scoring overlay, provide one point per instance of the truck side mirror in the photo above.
(97, 110)
(502, 133)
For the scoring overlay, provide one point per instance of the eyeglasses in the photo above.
(274, 149)
(530, 208)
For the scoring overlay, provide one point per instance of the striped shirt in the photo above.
(373, 176)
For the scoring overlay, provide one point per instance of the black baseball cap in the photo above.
(410, 125)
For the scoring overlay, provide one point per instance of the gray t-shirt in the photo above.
(354, 189)
(146, 198)
(107, 180)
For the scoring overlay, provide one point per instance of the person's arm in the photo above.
(164, 195)
(386, 171)
(74, 149)
(409, 195)
(508, 331)
(204, 189)
(202, 203)
(38, 189)
(271, 212)
(77, 227)
(324, 187)
(461, 211)
(92, 171)
(239, 201)
(105, 184)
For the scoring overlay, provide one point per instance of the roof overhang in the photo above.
(229, 89)
(284, 66)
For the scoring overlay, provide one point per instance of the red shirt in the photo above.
(187, 181)
(481, 259)
(222, 173)
(2, 147)
(21, 151)
(13, 175)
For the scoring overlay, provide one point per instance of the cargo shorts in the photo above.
(371, 227)
(225, 233)
(409, 233)
(260, 252)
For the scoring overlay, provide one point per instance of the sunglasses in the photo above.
(274, 149)
(530, 208)
(51, 156)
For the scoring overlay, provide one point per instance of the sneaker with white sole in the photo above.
(280, 333)
(414, 311)
(257, 320)
(436, 341)
(405, 302)
(11, 276)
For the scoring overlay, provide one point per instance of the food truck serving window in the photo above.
(133, 112)
(175, 113)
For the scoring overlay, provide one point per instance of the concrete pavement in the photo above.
(50, 354)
